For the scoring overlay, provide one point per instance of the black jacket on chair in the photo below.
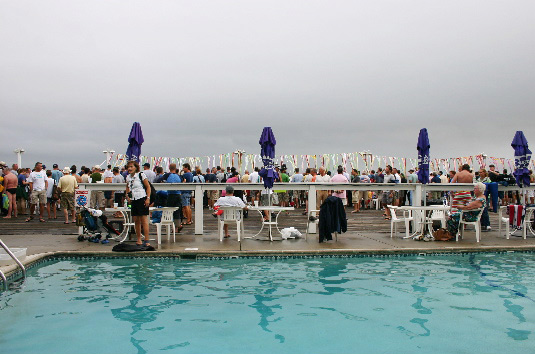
(332, 218)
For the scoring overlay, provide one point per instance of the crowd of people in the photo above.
(42, 189)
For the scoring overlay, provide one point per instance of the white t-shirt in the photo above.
(107, 174)
(254, 177)
(230, 201)
(324, 178)
(51, 183)
(136, 185)
(150, 175)
(38, 179)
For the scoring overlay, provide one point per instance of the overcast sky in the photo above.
(204, 77)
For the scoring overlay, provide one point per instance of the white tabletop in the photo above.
(117, 209)
(271, 208)
(426, 207)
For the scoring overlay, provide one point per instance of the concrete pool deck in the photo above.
(367, 233)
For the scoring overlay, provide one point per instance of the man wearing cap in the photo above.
(38, 187)
(97, 197)
(67, 184)
(56, 173)
(229, 200)
(151, 176)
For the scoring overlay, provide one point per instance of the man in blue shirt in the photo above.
(187, 177)
(56, 173)
(174, 196)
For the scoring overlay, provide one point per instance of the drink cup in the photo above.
(256, 203)
(115, 205)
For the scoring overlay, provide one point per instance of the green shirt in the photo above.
(95, 177)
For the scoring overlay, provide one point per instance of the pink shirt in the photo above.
(339, 178)
(230, 180)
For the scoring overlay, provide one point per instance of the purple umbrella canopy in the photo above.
(267, 151)
(135, 139)
(522, 158)
(423, 156)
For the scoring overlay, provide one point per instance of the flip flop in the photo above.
(227, 236)
(66, 222)
(42, 220)
(28, 220)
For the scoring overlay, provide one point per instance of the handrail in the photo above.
(4, 280)
(8, 251)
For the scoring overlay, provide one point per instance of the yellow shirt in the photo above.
(67, 184)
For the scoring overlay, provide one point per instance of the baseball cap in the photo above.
(96, 167)
(55, 165)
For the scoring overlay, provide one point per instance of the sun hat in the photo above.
(66, 170)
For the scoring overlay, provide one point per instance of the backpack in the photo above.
(55, 192)
(89, 221)
(152, 190)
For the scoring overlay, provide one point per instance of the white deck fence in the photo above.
(199, 188)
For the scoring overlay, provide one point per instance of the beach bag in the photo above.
(152, 191)
(443, 235)
(5, 201)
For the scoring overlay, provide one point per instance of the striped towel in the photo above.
(460, 199)
(516, 216)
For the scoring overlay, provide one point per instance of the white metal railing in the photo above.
(21, 266)
(199, 188)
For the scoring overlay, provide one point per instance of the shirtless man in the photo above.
(10, 186)
(462, 198)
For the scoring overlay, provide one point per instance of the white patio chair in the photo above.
(407, 219)
(375, 202)
(476, 224)
(166, 220)
(315, 221)
(231, 215)
(503, 218)
(439, 215)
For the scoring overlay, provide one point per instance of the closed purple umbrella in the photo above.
(267, 151)
(135, 139)
(522, 158)
(423, 156)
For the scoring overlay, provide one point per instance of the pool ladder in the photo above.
(21, 266)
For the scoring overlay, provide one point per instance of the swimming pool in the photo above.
(435, 304)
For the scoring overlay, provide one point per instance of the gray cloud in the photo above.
(204, 77)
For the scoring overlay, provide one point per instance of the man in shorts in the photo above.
(38, 185)
(97, 197)
(67, 184)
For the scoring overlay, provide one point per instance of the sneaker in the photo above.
(486, 229)
(428, 238)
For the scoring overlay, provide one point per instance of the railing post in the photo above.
(417, 199)
(311, 206)
(199, 210)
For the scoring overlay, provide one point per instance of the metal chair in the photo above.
(476, 224)
(231, 215)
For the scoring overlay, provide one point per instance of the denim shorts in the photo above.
(186, 199)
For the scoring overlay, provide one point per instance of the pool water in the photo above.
(482, 303)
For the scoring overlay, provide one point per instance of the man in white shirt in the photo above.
(229, 200)
(107, 176)
(38, 187)
(151, 176)
(254, 178)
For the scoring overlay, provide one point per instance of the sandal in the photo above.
(387, 218)
(187, 223)
(65, 222)
(226, 236)
(29, 219)
(42, 220)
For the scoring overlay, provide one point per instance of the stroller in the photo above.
(95, 225)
